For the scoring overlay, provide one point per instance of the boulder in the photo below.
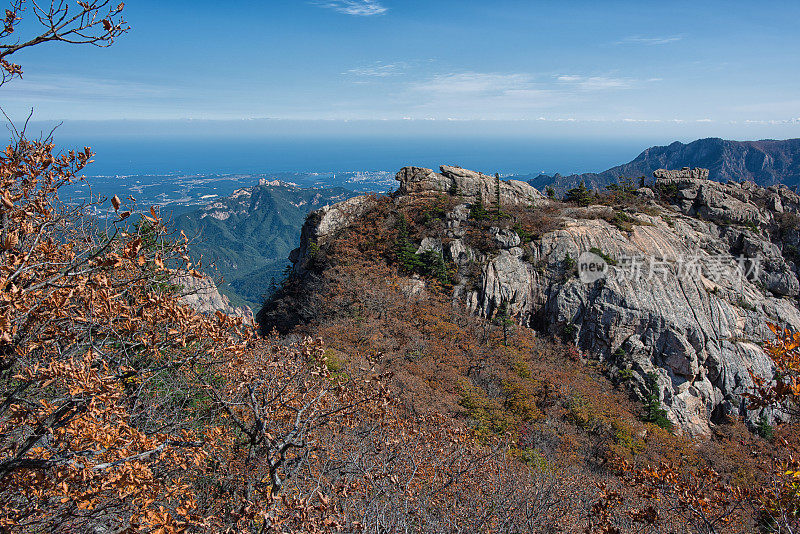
(681, 174)
(505, 238)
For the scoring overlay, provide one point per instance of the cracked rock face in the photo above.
(717, 273)
(698, 333)
(202, 295)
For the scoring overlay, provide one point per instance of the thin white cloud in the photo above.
(479, 95)
(359, 8)
(651, 41)
(640, 120)
(774, 122)
(476, 83)
(377, 70)
(595, 83)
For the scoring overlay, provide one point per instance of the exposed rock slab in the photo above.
(201, 294)
(469, 185)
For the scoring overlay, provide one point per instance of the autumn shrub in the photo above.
(531, 223)
(623, 221)
(540, 404)
(780, 500)
(97, 357)
(436, 211)
(489, 414)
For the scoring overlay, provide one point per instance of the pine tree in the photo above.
(454, 188)
(581, 195)
(405, 251)
(478, 211)
(433, 265)
(503, 318)
(653, 411)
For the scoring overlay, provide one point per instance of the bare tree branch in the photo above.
(95, 22)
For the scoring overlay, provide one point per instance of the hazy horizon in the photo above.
(271, 146)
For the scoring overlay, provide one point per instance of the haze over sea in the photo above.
(264, 146)
(193, 156)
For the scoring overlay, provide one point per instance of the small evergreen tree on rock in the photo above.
(580, 195)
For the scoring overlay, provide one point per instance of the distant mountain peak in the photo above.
(765, 162)
(276, 183)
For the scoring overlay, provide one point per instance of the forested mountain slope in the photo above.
(248, 235)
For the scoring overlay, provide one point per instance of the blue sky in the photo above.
(687, 69)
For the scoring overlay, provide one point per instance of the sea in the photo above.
(185, 172)
(125, 156)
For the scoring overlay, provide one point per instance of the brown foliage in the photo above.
(122, 409)
(780, 498)
(95, 351)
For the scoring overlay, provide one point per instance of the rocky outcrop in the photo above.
(468, 184)
(755, 204)
(696, 328)
(324, 223)
(684, 294)
(760, 210)
(201, 294)
(684, 173)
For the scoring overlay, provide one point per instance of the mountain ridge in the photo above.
(765, 162)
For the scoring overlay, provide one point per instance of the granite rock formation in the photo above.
(684, 173)
(689, 288)
(468, 184)
(201, 294)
